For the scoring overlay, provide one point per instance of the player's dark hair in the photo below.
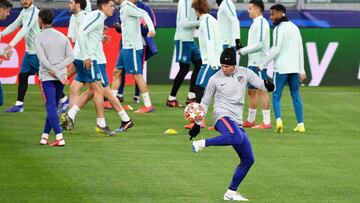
(99, 3)
(46, 16)
(259, 4)
(278, 7)
(201, 6)
(82, 3)
(5, 4)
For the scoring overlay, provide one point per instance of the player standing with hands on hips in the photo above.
(228, 88)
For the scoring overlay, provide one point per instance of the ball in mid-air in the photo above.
(194, 112)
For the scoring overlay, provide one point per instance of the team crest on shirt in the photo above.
(240, 79)
(184, 58)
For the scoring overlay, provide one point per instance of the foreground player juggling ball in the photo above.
(228, 88)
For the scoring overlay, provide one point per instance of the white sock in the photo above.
(266, 117)
(59, 136)
(73, 111)
(101, 122)
(191, 95)
(300, 124)
(45, 135)
(278, 120)
(19, 103)
(202, 143)
(124, 116)
(230, 191)
(252, 115)
(63, 100)
(114, 92)
(171, 98)
(146, 98)
(118, 95)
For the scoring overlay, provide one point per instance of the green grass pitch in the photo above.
(145, 165)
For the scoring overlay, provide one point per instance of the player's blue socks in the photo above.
(231, 134)
(294, 84)
(122, 86)
(52, 91)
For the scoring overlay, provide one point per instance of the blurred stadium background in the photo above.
(145, 165)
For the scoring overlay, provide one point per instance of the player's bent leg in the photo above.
(116, 80)
(98, 98)
(246, 156)
(75, 88)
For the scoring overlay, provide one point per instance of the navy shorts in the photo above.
(261, 74)
(30, 64)
(103, 75)
(84, 75)
(205, 73)
(130, 60)
(186, 51)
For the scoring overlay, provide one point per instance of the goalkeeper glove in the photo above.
(238, 44)
(194, 131)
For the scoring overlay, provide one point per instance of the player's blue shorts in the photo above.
(84, 75)
(186, 51)
(104, 78)
(30, 64)
(130, 60)
(205, 73)
(261, 74)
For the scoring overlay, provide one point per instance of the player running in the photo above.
(131, 54)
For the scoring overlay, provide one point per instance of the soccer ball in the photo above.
(194, 112)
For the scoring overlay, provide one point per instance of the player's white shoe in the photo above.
(198, 145)
(234, 196)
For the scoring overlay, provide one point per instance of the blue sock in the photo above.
(122, 84)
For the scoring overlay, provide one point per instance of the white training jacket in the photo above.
(90, 36)
(209, 40)
(186, 21)
(228, 23)
(287, 50)
(258, 44)
(28, 19)
(130, 16)
(76, 21)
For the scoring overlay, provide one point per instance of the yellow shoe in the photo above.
(300, 128)
(279, 126)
